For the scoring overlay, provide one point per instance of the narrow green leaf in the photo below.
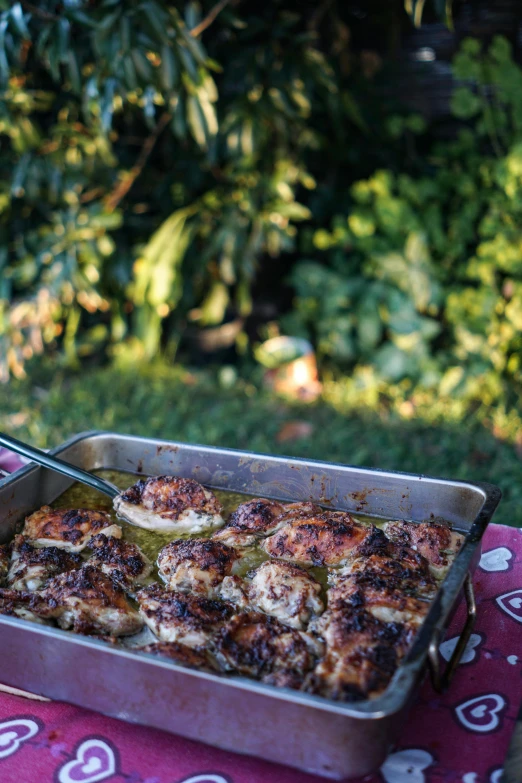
(18, 19)
(142, 66)
(74, 72)
(196, 121)
(169, 68)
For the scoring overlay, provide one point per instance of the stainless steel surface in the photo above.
(304, 731)
(42, 458)
(441, 680)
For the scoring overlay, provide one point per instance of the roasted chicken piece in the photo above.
(4, 563)
(170, 503)
(331, 538)
(196, 565)
(401, 566)
(436, 542)
(259, 646)
(258, 518)
(380, 595)
(13, 603)
(124, 562)
(235, 590)
(179, 617)
(362, 654)
(282, 590)
(70, 529)
(88, 602)
(32, 566)
(180, 653)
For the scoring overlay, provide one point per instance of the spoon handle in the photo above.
(42, 458)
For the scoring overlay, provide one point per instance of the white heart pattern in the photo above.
(481, 714)
(470, 777)
(205, 778)
(496, 775)
(511, 604)
(406, 766)
(496, 559)
(512, 659)
(14, 732)
(94, 761)
(446, 648)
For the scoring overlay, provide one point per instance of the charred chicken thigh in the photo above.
(258, 518)
(70, 529)
(331, 538)
(437, 543)
(170, 503)
(362, 653)
(32, 566)
(180, 653)
(282, 590)
(196, 565)
(256, 645)
(124, 562)
(88, 602)
(179, 617)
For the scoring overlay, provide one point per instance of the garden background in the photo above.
(180, 182)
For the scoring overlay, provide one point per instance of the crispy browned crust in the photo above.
(437, 543)
(254, 644)
(167, 606)
(203, 553)
(362, 654)
(180, 653)
(79, 600)
(171, 495)
(123, 561)
(324, 539)
(49, 560)
(260, 517)
(73, 525)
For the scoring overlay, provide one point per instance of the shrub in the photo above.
(422, 279)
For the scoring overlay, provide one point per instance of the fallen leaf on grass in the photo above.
(294, 430)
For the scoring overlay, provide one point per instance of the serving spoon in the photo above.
(157, 515)
(54, 463)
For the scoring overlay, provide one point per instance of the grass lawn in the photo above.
(193, 407)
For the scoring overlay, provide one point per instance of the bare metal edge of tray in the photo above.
(399, 691)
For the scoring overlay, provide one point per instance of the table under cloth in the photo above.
(459, 737)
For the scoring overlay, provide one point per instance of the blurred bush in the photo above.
(420, 283)
(144, 175)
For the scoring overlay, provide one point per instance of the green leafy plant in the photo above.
(422, 280)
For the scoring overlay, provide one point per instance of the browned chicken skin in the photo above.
(180, 653)
(197, 565)
(69, 529)
(256, 645)
(170, 503)
(88, 602)
(282, 590)
(178, 617)
(31, 566)
(14, 603)
(437, 543)
(362, 654)
(124, 562)
(330, 538)
(258, 518)
(406, 569)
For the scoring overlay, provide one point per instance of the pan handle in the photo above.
(441, 679)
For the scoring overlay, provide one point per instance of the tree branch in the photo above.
(209, 18)
(125, 184)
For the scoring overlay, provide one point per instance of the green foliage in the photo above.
(423, 278)
(145, 175)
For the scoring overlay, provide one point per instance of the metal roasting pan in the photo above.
(315, 735)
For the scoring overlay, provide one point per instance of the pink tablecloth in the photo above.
(461, 737)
